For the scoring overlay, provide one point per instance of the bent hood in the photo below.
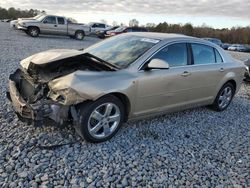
(49, 56)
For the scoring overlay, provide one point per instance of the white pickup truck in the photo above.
(53, 25)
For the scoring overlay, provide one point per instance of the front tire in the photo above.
(33, 31)
(224, 97)
(100, 120)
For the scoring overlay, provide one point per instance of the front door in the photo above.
(49, 25)
(165, 89)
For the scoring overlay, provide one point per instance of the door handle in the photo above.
(55, 25)
(221, 70)
(185, 73)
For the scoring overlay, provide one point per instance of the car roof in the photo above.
(162, 36)
(169, 37)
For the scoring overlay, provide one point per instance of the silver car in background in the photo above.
(129, 76)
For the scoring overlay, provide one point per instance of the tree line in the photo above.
(234, 35)
(13, 13)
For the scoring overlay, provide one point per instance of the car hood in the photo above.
(49, 56)
(19, 19)
(28, 21)
(51, 64)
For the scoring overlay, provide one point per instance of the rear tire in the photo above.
(224, 97)
(100, 120)
(101, 36)
(79, 35)
(33, 31)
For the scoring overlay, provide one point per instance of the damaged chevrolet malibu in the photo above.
(130, 76)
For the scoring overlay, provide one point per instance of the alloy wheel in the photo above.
(225, 97)
(34, 32)
(104, 120)
(79, 36)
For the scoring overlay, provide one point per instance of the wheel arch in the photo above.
(125, 101)
(35, 27)
(121, 96)
(79, 30)
(233, 82)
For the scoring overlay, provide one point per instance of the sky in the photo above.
(214, 13)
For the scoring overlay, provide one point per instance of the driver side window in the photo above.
(175, 55)
(50, 20)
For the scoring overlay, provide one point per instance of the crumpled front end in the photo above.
(30, 100)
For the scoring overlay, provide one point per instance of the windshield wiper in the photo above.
(112, 66)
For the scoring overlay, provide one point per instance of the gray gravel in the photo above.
(193, 148)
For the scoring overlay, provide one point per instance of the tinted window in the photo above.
(218, 57)
(203, 54)
(143, 30)
(129, 30)
(99, 25)
(60, 20)
(102, 25)
(50, 20)
(175, 55)
(135, 29)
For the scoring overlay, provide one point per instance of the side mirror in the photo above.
(157, 64)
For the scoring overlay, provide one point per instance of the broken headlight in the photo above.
(65, 97)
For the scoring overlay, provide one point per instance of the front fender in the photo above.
(87, 85)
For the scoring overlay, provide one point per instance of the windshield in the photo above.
(38, 16)
(119, 29)
(122, 50)
(41, 18)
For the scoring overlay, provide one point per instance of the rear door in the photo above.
(62, 26)
(207, 71)
(49, 25)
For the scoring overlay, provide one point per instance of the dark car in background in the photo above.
(215, 41)
(121, 30)
(103, 34)
(225, 46)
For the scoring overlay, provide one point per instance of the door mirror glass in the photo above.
(157, 64)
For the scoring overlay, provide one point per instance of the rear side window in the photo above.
(102, 25)
(60, 20)
(129, 30)
(99, 25)
(175, 55)
(50, 20)
(218, 56)
(203, 54)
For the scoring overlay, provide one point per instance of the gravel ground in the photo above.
(193, 148)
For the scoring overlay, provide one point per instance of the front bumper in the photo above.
(37, 113)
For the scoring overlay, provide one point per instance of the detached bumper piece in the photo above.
(37, 113)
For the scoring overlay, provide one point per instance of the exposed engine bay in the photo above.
(30, 92)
